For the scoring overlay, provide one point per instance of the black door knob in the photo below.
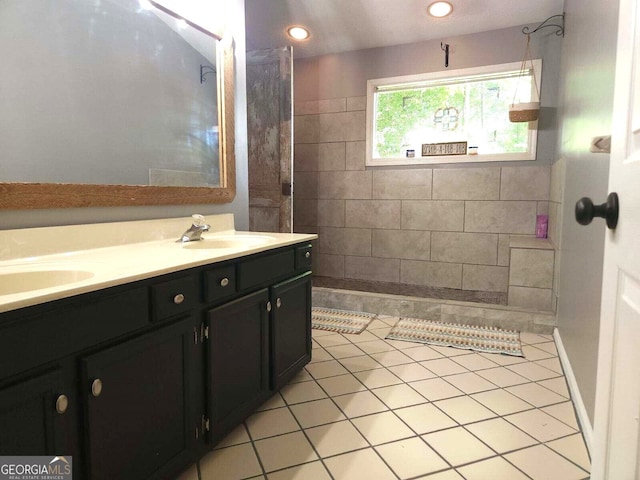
(586, 210)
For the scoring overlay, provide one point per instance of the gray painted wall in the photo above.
(586, 99)
(234, 11)
(346, 74)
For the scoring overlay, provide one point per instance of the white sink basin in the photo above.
(29, 280)
(229, 241)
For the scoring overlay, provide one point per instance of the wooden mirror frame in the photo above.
(20, 196)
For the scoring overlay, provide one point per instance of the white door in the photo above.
(617, 411)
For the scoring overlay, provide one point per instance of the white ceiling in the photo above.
(345, 25)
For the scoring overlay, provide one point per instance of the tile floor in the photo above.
(367, 408)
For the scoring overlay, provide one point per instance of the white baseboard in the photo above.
(581, 411)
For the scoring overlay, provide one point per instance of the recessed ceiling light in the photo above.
(298, 33)
(440, 9)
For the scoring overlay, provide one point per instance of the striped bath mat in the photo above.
(470, 337)
(340, 321)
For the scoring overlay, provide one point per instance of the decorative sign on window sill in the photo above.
(446, 148)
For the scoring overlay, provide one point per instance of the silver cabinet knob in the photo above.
(178, 299)
(224, 282)
(278, 303)
(62, 403)
(307, 255)
(96, 387)
(268, 306)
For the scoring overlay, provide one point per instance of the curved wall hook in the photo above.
(559, 31)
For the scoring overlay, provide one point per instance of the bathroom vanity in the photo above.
(138, 370)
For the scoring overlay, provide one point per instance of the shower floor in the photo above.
(493, 298)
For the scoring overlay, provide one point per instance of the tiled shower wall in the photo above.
(438, 227)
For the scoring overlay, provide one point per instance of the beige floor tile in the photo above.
(411, 372)
(563, 412)
(444, 366)
(389, 359)
(532, 371)
(375, 347)
(364, 336)
(500, 435)
(502, 377)
(230, 463)
(332, 340)
(435, 389)
(539, 425)
(558, 385)
(402, 344)
(381, 333)
(237, 436)
(420, 354)
(548, 347)
(411, 457)
(344, 351)
(360, 464)
(425, 418)
(552, 364)
(359, 364)
(535, 394)
(326, 369)
(341, 385)
(470, 383)
(308, 471)
(318, 412)
(302, 392)
(358, 404)
(377, 378)
(271, 422)
(493, 469)
(503, 359)
(501, 402)
(382, 428)
(316, 332)
(189, 474)
(474, 362)
(542, 463)
(458, 446)
(319, 355)
(377, 324)
(464, 409)
(446, 475)
(532, 338)
(275, 401)
(574, 449)
(302, 376)
(532, 353)
(283, 451)
(390, 320)
(336, 438)
(451, 351)
(398, 396)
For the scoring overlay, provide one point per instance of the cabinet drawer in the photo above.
(219, 283)
(304, 257)
(38, 339)
(263, 269)
(174, 297)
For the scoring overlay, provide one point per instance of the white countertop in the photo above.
(117, 253)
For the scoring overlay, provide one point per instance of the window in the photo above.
(469, 105)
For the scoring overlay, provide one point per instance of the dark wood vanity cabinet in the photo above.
(140, 380)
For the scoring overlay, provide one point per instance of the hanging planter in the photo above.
(525, 111)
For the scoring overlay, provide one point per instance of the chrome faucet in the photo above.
(194, 232)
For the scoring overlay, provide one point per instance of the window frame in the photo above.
(373, 84)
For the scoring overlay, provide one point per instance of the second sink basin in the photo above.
(229, 241)
(28, 280)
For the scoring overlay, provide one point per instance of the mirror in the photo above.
(113, 103)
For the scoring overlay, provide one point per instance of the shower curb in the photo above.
(446, 311)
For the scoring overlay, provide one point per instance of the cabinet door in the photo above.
(238, 360)
(138, 395)
(30, 424)
(291, 328)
